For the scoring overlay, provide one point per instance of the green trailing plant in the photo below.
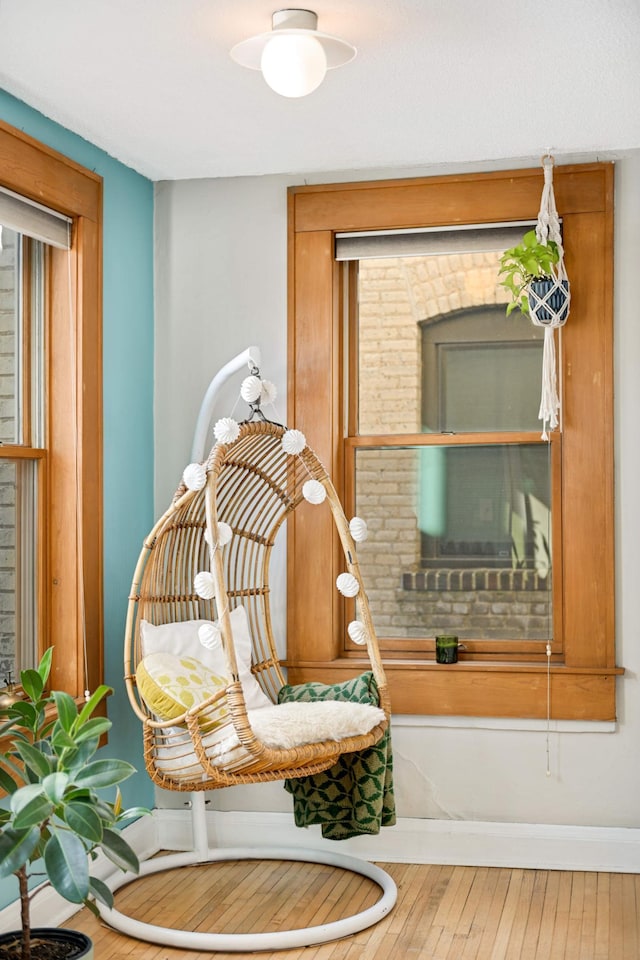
(55, 814)
(524, 263)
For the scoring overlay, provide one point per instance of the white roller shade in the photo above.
(427, 241)
(34, 220)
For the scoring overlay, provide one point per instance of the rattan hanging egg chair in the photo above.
(201, 586)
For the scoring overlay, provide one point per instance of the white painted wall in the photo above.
(220, 286)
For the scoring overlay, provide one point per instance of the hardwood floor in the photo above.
(443, 912)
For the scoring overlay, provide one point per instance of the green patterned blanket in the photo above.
(354, 796)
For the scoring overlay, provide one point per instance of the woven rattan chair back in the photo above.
(252, 485)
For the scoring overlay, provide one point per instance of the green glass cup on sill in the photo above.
(446, 649)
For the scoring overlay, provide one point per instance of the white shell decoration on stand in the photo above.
(314, 492)
(357, 631)
(347, 585)
(204, 585)
(251, 389)
(268, 392)
(194, 476)
(209, 635)
(226, 430)
(358, 529)
(225, 534)
(293, 441)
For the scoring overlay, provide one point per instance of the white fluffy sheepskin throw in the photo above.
(278, 726)
(294, 724)
(286, 725)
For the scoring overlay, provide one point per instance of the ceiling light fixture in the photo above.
(294, 57)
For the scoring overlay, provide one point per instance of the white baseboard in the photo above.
(49, 909)
(455, 842)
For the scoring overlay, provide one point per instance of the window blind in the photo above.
(34, 220)
(427, 241)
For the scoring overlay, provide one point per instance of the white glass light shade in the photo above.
(294, 64)
(295, 55)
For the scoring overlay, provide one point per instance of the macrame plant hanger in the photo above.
(549, 303)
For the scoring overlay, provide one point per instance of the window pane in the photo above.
(460, 540)
(437, 352)
(22, 384)
(18, 566)
(10, 336)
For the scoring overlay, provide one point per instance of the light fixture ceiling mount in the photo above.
(294, 56)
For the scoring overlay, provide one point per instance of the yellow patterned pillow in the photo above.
(171, 685)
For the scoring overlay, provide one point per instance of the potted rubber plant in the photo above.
(56, 819)
(529, 266)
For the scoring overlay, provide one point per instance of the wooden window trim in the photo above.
(72, 521)
(583, 677)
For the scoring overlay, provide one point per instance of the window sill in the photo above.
(480, 689)
(505, 724)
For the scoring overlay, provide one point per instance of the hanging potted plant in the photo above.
(530, 277)
(55, 814)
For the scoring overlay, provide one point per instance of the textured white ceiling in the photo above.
(435, 81)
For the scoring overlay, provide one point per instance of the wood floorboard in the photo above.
(442, 913)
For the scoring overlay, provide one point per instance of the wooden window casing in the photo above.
(70, 519)
(583, 669)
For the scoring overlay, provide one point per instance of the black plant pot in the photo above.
(71, 944)
(556, 304)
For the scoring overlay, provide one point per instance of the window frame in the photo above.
(583, 674)
(70, 521)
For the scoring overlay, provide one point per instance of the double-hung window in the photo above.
(50, 414)
(422, 397)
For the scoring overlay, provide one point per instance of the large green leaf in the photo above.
(7, 724)
(93, 701)
(54, 786)
(32, 683)
(118, 851)
(66, 707)
(14, 767)
(16, 846)
(83, 820)
(7, 783)
(133, 813)
(77, 759)
(33, 813)
(99, 890)
(34, 759)
(105, 811)
(92, 728)
(67, 866)
(24, 795)
(25, 712)
(104, 773)
(61, 739)
(44, 666)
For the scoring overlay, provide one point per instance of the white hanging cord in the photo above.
(548, 735)
(548, 647)
(550, 309)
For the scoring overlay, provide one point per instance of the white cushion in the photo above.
(181, 639)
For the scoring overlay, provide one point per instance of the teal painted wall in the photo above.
(128, 406)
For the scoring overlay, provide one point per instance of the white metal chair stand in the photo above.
(249, 942)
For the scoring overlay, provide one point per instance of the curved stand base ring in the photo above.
(238, 942)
